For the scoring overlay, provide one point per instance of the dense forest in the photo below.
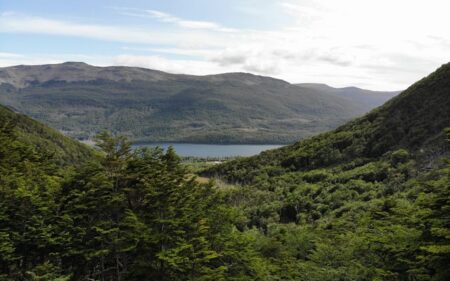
(62, 150)
(122, 215)
(368, 201)
(152, 106)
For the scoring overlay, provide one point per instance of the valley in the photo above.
(366, 201)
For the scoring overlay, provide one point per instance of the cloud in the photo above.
(162, 16)
(10, 55)
(176, 66)
(268, 67)
(299, 9)
(9, 59)
(189, 52)
(14, 23)
(196, 67)
(168, 18)
(230, 57)
(382, 44)
(206, 61)
(249, 59)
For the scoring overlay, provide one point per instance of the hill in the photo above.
(366, 99)
(413, 120)
(60, 149)
(367, 201)
(147, 105)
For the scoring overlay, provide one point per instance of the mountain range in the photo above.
(81, 100)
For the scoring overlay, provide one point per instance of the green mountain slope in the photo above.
(414, 120)
(146, 105)
(62, 150)
(367, 201)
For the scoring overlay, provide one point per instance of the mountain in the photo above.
(366, 99)
(413, 120)
(367, 201)
(147, 105)
(60, 149)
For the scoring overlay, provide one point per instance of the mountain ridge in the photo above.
(101, 72)
(152, 106)
(363, 97)
(413, 120)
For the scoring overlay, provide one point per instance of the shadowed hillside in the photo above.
(60, 149)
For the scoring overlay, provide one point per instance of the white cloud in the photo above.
(168, 18)
(177, 66)
(190, 52)
(162, 16)
(14, 23)
(375, 44)
(10, 55)
(196, 67)
(9, 59)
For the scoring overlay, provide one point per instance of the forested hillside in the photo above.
(124, 215)
(368, 201)
(147, 105)
(60, 149)
(414, 121)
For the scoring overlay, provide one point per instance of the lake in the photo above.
(214, 150)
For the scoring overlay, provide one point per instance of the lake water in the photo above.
(214, 150)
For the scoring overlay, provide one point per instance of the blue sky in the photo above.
(372, 44)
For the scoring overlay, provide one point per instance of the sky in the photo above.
(378, 45)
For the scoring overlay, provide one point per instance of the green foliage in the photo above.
(46, 272)
(28, 225)
(370, 199)
(46, 141)
(125, 215)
